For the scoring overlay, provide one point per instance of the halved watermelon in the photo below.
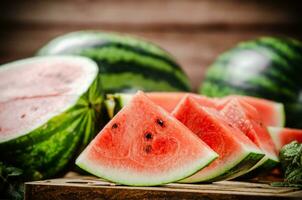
(48, 110)
(237, 154)
(283, 136)
(144, 145)
(245, 117)
(272, 113)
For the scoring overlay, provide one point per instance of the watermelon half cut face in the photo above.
(51, 104)
(237, 154)
(283, 136)
(245, 117)
(143, 145)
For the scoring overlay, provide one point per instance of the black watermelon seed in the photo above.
(22, 116)
(148, 136)
(34, 108)
(160, 122)
(114, 126)
(148, 149)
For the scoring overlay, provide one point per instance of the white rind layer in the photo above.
(127, 176)
(274, 133)
(281, 114)
(202, 177)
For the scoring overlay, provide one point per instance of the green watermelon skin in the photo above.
(50, 149)
(126, 63)
(267, 67)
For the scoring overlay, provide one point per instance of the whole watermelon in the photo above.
(267, 67)
(126, 63)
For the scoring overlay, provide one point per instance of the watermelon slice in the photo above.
(51, 104)
(237, 154)
(166, 100)
(245, 117)
(283, 136)
(272, 113)
(144, 145)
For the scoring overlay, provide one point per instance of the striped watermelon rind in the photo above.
(242, 166)
(88, 166)
(126, 63)
(49, 149)
(268, 67)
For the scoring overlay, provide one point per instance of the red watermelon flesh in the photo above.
(272, 113)
(36, 89)
(27, 114)
(245, 117)
(144, 145)
(40, 78)
(283, 136)
(169, 100)
(166, 100)
(237, 154)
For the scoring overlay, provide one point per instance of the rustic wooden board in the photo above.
(92, 188)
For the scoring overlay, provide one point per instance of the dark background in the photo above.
(195, 32)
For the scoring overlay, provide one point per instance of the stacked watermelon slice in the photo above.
(157, 138)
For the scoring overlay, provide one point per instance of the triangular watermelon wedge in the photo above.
(237, 154)
(272, 113)
(144, 145)
(167, 100)
(283, 136)
(245, 117)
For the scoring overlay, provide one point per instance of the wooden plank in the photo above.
(194, 51)
(92, 188)
(153, 14)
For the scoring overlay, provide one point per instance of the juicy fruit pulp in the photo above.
(144, 145)
(48, 109)
(247, 119)
(237, 154)
(272, 113)
(283, 136)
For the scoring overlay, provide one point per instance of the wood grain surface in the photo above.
(195, 32)
(92, 188)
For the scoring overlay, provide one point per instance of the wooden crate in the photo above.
(92, 188)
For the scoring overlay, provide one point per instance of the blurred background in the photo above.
(195, 32)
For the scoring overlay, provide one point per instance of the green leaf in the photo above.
(291, 162)
(13, 171)
(11, 182)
